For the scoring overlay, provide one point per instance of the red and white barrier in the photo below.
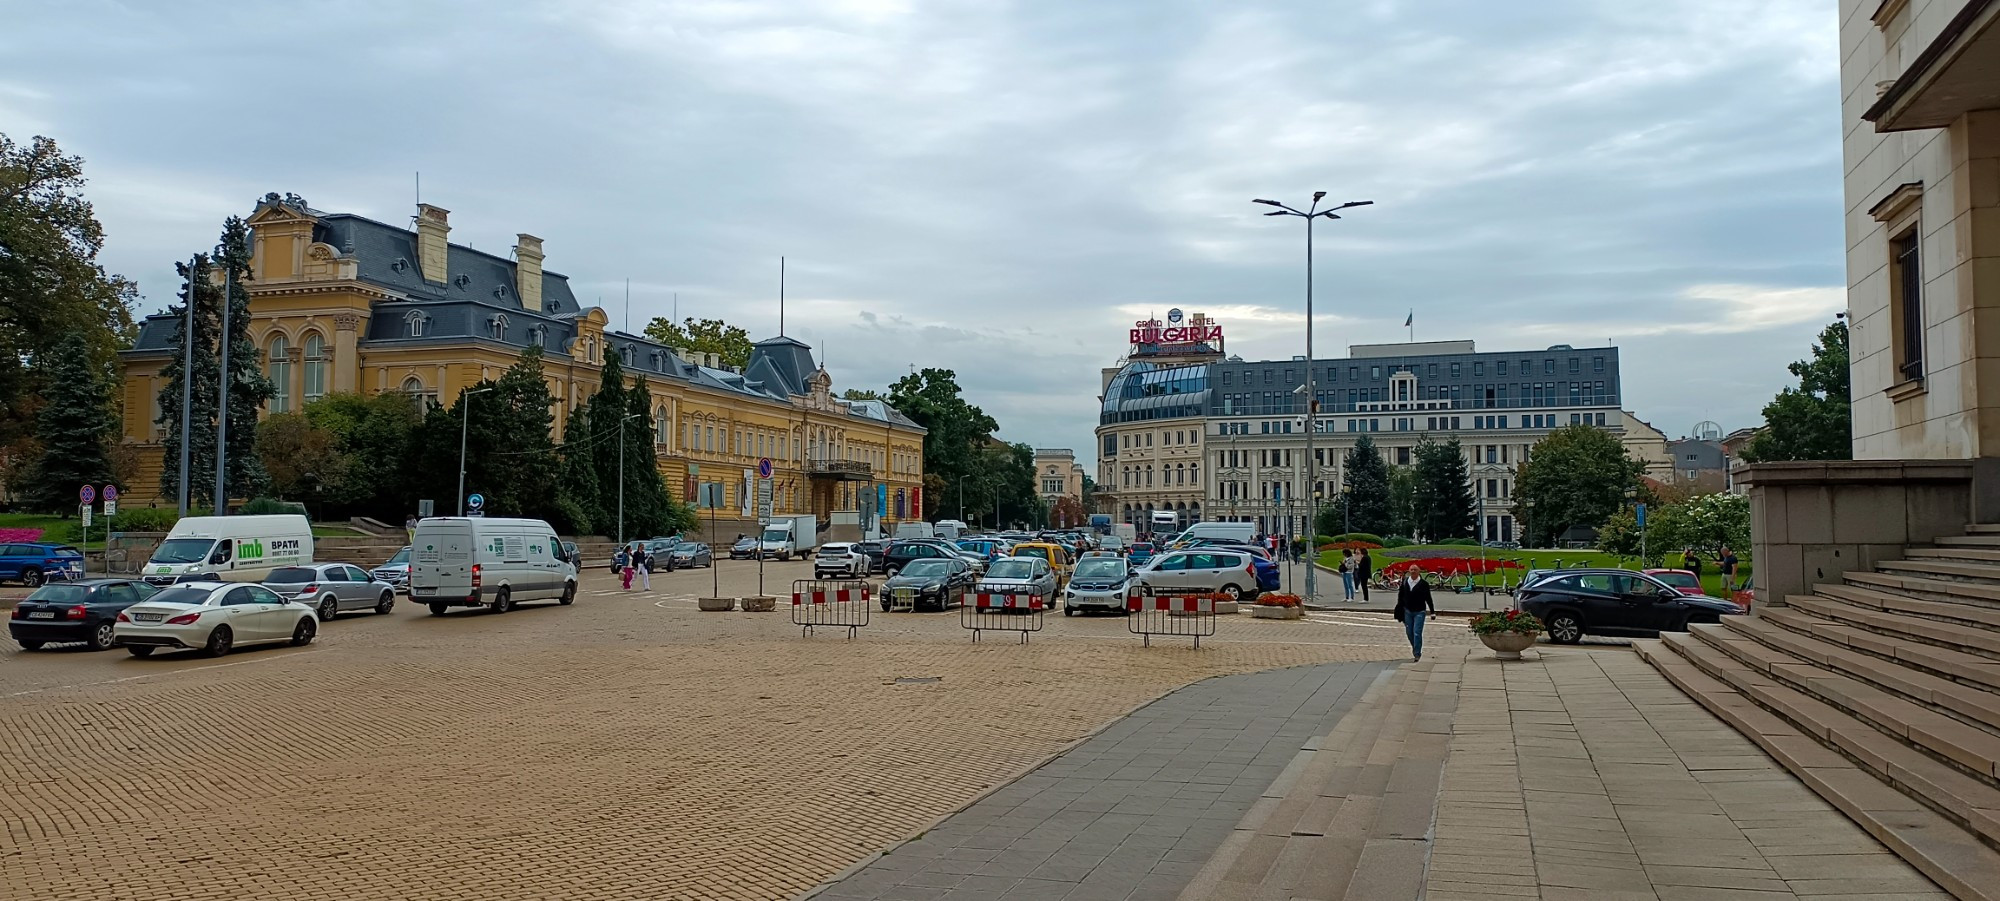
(843, 596)
(1009, 601)
(1171, 604)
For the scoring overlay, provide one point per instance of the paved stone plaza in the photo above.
(625, 747)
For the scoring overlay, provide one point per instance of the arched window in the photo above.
(660, 425)
(414, 388)
(499, 326)
(416, 321)
(280, 370)
(315, 367)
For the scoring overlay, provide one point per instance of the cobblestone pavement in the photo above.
(1132, 813)
(624, 747)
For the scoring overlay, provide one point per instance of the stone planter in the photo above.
(760, 603)
(1226, 607)
(712, 605)
(1261, 611)
(1508, 645)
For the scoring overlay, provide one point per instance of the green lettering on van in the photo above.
(250, 549)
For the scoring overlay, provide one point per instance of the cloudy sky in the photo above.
(1001, 188)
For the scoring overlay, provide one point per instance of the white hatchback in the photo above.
(215, 617)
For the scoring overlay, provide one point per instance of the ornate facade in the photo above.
(341, 303)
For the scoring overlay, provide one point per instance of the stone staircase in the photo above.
(1881, 692)
(1352, 816)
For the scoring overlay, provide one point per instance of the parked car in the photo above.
(839, 559)
(873, 549)
(1140, 552)
(216, 617)
(899, 554)
(620, 558)
(329, 588)
(575, 556)
(660, 554)
(396, 572)
(1683, 581)
(745, 548)
(690, 553)
(936, 584)
(1579, 602)
(1020, 575)
(1204, 571)
(33, 564)
(1057, 556)
(986, 549)
(82, 611)
(1101, 582)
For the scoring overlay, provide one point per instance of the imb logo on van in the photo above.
(250, 549)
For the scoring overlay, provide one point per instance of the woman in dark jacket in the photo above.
(1413, 604)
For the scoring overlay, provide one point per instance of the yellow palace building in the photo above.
(342, 303)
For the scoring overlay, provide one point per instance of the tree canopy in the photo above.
(1364, 502)
(1577, 476)
(960, 453)
(709, 336)
(1813, 421)
(1443, 495)
(75, 427)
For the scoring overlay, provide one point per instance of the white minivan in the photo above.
(475, 561)
(229, 548)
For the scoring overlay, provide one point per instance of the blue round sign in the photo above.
(476, 501)
(764, 468)
(1174, 315)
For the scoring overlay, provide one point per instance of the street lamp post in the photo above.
(464, 428)
(1312, 395)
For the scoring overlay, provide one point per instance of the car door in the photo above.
(1649, 605)
(1171, 574)
(111, 599)
(11, 558)
(1600, 597)
(244, 612)
(356, 589)
(275, 615)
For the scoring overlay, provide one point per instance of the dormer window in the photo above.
(627, 354)
(416, 321)
(541, 335)
(498, 325)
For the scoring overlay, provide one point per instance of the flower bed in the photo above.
(1508, 620)
(1450, 566)
(1279, 600)
(20, 536)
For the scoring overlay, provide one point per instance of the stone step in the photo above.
(1797, 730)
(1901, 600)
(1950, 591)
(1803, 633)
(1954, 552)
(1974, 749)
(1979, 540)
(1983, 528)
(1953, 570)
(1947, 662)
(1974, 639)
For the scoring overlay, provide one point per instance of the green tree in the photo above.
(75, 427)
(1813, 421)
(1577, 476)
(248, 388)
(576, 479)
(51, 286)
(1706, 523)
(509, 453)
(1620, 535)
(1445, 507)
(603, 411)
(957, 445)
(861, 394)
(1364, 496)
(202, 380)
(373, 435)
(711, 336)
(300, 456)
(649, 509)
(1402, 502)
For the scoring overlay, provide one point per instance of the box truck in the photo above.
(789, 536)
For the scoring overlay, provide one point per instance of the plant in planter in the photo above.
(1508, 632)
(1278, 606)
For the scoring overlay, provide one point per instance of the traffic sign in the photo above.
(86, 516)
(764, 496)
(1641, 516)
(475, 501)
(87, 494)
(110, 505)
(110, 494)
(764, 468)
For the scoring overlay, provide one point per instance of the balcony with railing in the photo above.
(840, 470)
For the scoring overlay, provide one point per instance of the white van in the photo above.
(950, 529)
(229, 548)
(474, 561)
(1232, 532)
(914, 529)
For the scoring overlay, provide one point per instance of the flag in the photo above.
(1410, 319)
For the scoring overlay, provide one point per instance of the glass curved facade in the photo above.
(1144, 391)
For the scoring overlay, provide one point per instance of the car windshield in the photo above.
(1100, 568)
(1678, 580)
(1041, 552)
(928, 569)
(183, 550)
(1012, 569)
(293, 574)
(61, 594)
(744, 541)
(402, 557)
(688, 546)
(776, 535)
(193, 597)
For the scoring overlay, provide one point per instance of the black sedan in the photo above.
(929, 584)
(1616, 602)
(745, 548)
(874, 550)
(75, 612)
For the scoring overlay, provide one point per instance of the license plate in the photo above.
(44, 614)
(147, 617)
(423, 591)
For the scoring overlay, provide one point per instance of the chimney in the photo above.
(528, 271)
(433, 230)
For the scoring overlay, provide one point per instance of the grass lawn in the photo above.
(1541, 558)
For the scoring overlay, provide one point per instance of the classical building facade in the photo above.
(341, 303)
(1215, 438)
(1057, 474)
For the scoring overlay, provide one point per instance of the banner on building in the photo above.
(916, 503)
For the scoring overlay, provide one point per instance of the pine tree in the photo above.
(603, 411)
(576, 482)
(1365, 489)
(203, 378)
(74, 426)
(1444, 500)
(249, 389)
(516, 451)
(656, 512)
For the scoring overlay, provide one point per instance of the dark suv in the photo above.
(874, 551)
(899, 553)
(1578, 602)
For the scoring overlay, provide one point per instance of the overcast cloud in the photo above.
(1002, 187)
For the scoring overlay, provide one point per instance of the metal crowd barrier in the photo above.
(826, 602)
(1003, 613)
(1170, 615)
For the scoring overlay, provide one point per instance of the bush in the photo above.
(267, 506)
(1460, 542)
(1393, 541)
(144, 519)
(1357, 536)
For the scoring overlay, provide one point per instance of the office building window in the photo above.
(1906, 306)
(1454, 370)
(1499, 367)
(1575, 365)
(1574, 419)
(1596, 364)
(1402, 456)
(1600, 419)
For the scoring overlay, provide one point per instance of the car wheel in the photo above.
(36, 645)
(31, 577)
(219, 641)
(303, 633)
(139, 650)
(885, 606)
(387, 603)
(503, 600)
(1565, 628)
(1231, 592)
(327, 608)
(102, 638)
(437, 609)
(568, 595)
(892, 571)
(1069, 611)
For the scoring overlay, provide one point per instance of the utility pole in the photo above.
(187, 380)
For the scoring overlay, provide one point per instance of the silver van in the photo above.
(475, 561)
(1200, 571)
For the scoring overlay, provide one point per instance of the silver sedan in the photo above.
(330, 588)
(1020, 575)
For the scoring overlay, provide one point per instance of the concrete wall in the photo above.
(1811, 522)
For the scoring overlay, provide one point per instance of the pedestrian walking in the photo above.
(625, 574)
(1347, 566)
(1728, 567)
(1413, 604)
(644, 561)
(1364, 569)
